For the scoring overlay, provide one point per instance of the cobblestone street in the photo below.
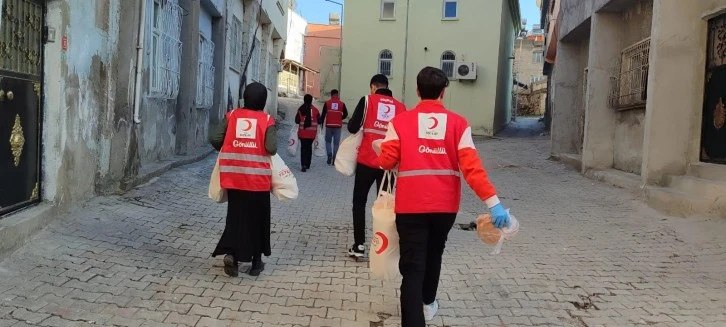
(587, 255)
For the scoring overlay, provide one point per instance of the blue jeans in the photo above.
(332, 141)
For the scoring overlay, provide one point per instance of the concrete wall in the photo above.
(471, 37)
(676, 81)
(316, 44)
(329, 74)
(83, 124)
(91, 144)
(568, 106)
(503, 107)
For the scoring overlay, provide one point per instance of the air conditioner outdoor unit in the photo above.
(465, 70)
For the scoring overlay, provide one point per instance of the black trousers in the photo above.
(306, 152)
(364, 178)
(422, 241)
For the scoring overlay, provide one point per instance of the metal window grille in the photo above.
(235, 46)
(385, 62)
(165, 20)
(448, 60)
(629, 84)
(205, 74)
(537, 56)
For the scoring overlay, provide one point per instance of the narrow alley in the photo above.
(587, 255)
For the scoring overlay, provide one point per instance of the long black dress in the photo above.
(247, 230)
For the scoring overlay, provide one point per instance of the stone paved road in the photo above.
(587, 255)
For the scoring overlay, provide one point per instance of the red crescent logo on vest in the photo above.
(436, 122)
(384, 244)
(388, 109)
(292, 142)
(249, 125)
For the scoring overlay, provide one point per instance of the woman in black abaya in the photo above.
(246, 234)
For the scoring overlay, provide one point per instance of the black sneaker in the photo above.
(304, 169)
(230, 266)
(330, 160)
(357, 251)
(256, 268)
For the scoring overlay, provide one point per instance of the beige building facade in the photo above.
(398, 38)
(637, 92)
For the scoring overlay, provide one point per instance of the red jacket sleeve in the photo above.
(473, 170)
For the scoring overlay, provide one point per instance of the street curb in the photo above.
(18, 228)
(157, 169)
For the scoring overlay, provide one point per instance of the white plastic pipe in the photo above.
(139, 62)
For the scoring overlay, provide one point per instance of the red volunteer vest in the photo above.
(311, 132)
(244, 163)
(428, 174)
(379, 111)
(334, 115)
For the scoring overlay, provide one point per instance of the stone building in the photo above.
(637, 91)
(99, 96)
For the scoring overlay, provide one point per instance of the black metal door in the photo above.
(20, 93)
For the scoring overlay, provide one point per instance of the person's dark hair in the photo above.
(333, 92)
(255, 96)
(386, 92)
(431, 82)
(306, 110)
(380, 81)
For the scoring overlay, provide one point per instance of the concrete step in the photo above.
(699, 187)
(617, 178)
(708, 171)
(678, 203)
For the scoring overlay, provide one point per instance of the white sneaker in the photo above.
(430, 310)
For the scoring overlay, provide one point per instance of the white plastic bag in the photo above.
(319, 143)
(385, 248)
(293, 142)
(284, 184)
(347, 157)
(216, 192)
(496, 236)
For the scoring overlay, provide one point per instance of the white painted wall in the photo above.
(235, 9)
(296, 26)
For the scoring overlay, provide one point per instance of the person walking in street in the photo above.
(432, 147)
(307, 119)
(246, 139)
(334, 111)
(371, 115)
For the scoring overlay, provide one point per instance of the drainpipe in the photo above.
(139, 63)
(405, 52)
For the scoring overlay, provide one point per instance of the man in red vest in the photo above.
(371, 115)
(334, 111)
(432, 148)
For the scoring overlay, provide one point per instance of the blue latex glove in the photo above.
(500, 217)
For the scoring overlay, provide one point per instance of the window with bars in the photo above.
(385, 62)
(448, 60)
(235, 46)
(165, 47)
(388, 9)
(629, 84)
(254, 67)
(205, 74)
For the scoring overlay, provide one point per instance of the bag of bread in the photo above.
(496, 236)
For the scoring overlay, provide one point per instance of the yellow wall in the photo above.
(475, 36)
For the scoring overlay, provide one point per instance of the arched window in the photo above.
(385, 62)
(448, 58)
